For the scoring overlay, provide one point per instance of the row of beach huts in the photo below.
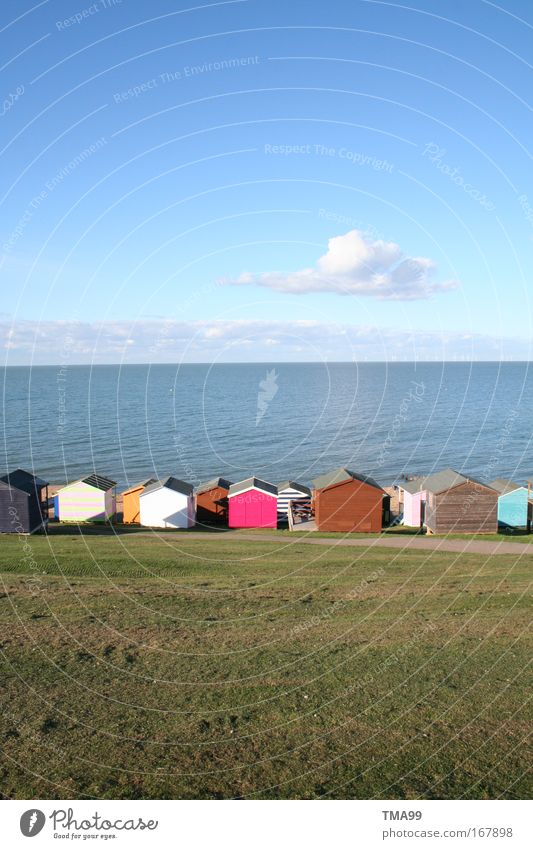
(339, 501)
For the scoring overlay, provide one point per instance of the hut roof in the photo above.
(140, 485)
(413, 486)
(99, 482)
(441, 481)
(169, 483)
(25, 481)
(253, 483)
(293, 485)
(504, 486)
(341, 475)
(214, 483)
(13, 488)
(446, 479)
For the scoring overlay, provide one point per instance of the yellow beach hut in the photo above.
(90, 499)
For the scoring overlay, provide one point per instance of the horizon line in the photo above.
(266, 362)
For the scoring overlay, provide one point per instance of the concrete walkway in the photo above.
(461, 546)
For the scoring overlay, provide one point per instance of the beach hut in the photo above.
(295, 493)
(456, 503)
(347, 502)
(253, 503)
(168, 503)
(413, 497)
(90, 499)
(212, 502)
(514, 504)
(23, 502)
(130, 502)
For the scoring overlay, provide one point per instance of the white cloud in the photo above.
(354, 265)
(153, 341)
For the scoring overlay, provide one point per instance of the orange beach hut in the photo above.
(131, 509)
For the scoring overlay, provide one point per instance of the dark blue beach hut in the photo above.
(23, 503)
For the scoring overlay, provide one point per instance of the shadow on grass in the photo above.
(103, 529)
(118, 529)
(405, 530)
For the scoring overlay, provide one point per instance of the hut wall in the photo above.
(14, 512)
(513, 509)
(212, 506)
(131, 508)
(81, 503)
(412, 508)
(110, 502)
(253, 509)
(166, 508)
(37, 512)
(348, 507)
(468, 508)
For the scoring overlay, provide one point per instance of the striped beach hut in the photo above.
(130, 502)
(23, 502)
(297, 493)
(253, 503)
(349, 502)
(514, 504)
(212, 502)
(90, 499)
(168, 503)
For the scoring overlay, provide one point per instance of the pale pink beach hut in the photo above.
(413, 494)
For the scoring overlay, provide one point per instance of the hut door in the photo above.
(422, 513)
(254, 516)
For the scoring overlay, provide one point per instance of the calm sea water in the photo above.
(275, 421)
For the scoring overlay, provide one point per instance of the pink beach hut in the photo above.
(253, 503)
(414, 497)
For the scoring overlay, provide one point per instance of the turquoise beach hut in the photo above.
(514, 505)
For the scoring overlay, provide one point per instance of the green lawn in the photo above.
(139, 667)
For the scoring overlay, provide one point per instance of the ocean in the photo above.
(275, 421)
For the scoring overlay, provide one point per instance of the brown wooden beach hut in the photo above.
(456, 503)
(131, 509)
(212, 502)
(347, 502)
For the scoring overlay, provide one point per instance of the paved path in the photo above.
(466, 546)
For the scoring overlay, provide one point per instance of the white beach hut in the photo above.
(167, 503)
(90, 499)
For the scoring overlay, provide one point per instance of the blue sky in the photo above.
(269, 181)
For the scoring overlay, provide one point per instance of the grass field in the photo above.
(138, 667)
